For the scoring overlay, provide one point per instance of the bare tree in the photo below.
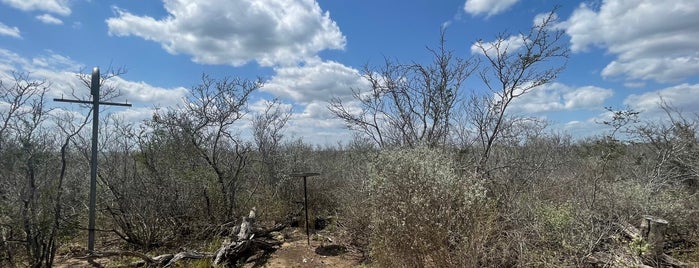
(407, 104)
(515, 65)
(673, 147)
(69, 128)
(268, 127)
(206, 121)
(23, 100)
(26, 150)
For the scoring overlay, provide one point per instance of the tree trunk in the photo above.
(231, 252)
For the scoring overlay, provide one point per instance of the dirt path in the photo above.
(295, 252)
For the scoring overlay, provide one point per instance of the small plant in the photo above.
(639, 246)
(556, 218)
(202, 263)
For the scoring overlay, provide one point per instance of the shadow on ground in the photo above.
(331, 250)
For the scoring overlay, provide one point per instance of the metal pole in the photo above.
(305, 204)
(305, 198)
(94, 90)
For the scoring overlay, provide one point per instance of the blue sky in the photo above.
(624, 52)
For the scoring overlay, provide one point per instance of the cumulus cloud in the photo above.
(259, 106)
(489, 7)
(586, 128)
(270, 32)
(684, 97)
(49, 19)
(311, 122)
(9, 62)
(134, 115)
(65, 83)
(316, 80)
(559, 97)
(541, 18)
(511, 44)
(634, 84)
(318, 110)
(59, 7)
(56, 62)
(652, 40)
(9, 31)
(61, 72)
(145, 93)
(317, 124)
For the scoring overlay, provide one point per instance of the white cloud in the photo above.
(49, 19)
(9, 62)
(317, 110)
(63, 113)
(684, 97)
(9, 31)
(145, 93)
(661, 69)
(55, 61)
(65, 84)
(317, 125)
(317, 80)
(540, 18)
(135, 115)
(653, 40)
(587, 97)
(311, 122)
(634, 84)
(270, 32)
(511, 44)
(61, 73)
(559, 97)
(489, 7)
(259, 106)
(59, 7)
(587, 128)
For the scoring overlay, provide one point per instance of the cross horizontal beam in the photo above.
(90, 102)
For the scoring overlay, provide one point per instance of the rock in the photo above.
(277, 236)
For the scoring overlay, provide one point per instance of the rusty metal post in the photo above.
(305, 198)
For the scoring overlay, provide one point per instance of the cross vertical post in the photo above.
(305, 199)
(305, 204)
(95, 92)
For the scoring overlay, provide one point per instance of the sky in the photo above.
(624, 53)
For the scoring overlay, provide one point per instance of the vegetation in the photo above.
(434, 178)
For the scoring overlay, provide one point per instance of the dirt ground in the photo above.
(323, 251)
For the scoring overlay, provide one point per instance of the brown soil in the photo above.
(323, 251)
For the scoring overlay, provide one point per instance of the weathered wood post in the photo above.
(653, 231)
